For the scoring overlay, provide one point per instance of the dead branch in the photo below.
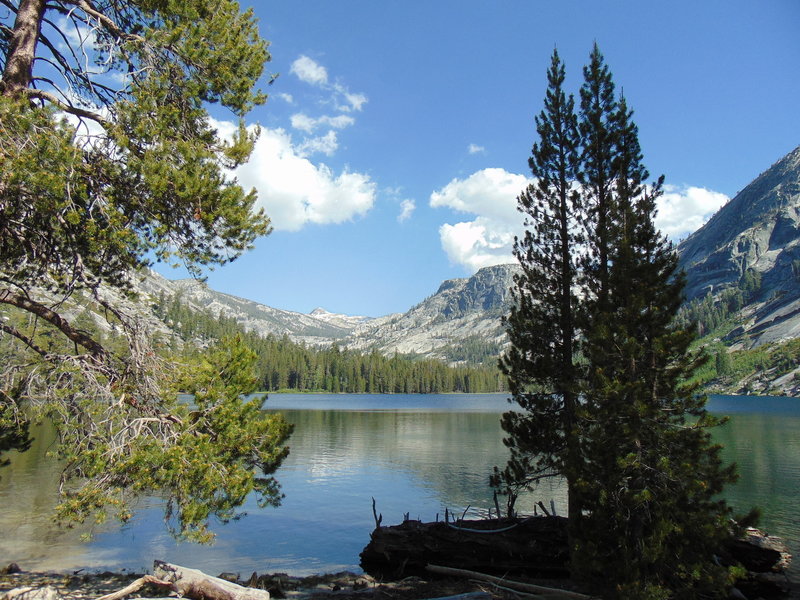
(516, 585)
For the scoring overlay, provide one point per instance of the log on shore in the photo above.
(531, 547)
(191, 583)
(536, 547)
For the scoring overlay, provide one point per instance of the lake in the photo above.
(414, 454)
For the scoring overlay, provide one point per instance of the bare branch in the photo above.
(68, 108)
(12, 298)
(107, 23)
(23, 338)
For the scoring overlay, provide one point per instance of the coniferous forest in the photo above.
(288, 366)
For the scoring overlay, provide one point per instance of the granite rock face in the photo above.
(460, 308)
(758, 229)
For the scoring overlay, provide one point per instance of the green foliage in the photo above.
(220, 448)
(609, 407)
(541, 362)
(108, 160)
(284, 365)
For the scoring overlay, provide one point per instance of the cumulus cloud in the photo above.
(477, 244)
(309, 71)
(326, 144)
(338, 98)
(475, 149)
(683, 210)
(407, 208)
(353, 102)
(490, 195)
(308, 124)
(293, 190)
(288, 98)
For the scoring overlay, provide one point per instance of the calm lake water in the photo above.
(413, 454)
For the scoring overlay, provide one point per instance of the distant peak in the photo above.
(319, 312)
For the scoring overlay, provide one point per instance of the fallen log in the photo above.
(535, 547)
(760, 553)
(517, 586)
(466, 596)
(532, 547)
(135, 586)
(194, 584)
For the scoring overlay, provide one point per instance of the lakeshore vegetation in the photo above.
(283, 365)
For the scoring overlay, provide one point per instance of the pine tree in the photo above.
(620, 425)
(652, 519)
(108, 160)
(596, 175)
(540, 362)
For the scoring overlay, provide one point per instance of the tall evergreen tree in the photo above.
(652, 518)
(540, 362)
(596, 175)
(630, 437)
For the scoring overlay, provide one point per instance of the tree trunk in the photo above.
(195, 584)
(535, 547)
(22, 48)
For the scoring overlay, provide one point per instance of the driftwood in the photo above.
(189, 583)
(516, 586)
(195, 584)
(760, 553)
(535, 546)
(532, 547)
(135, 586)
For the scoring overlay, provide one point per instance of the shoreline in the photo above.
(344, 585)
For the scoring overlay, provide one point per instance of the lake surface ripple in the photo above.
(416, 454)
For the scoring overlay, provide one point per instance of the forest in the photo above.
(283, 365)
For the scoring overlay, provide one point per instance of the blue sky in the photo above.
(397, 134)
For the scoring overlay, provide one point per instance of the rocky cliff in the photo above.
(758, 231)
(460, 309)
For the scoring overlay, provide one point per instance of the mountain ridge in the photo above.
(745, 260)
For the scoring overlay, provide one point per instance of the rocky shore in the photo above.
(338, 586)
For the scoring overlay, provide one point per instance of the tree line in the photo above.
(282, 364)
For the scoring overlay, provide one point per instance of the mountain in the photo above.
(461, 309)
(318, 328)
(743, 285)
(754, 242)
(436, 327)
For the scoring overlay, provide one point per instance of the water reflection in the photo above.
(410, 460)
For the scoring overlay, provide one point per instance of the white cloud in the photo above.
(308, 124)
(477, 244)
(683, 210)
(491, 195)
(303, 122)
(326, 144)
(354, 101)
(293, 190)
(490, 192)
(309, 71)
(288, 98)
(475, 149)
(407, 208)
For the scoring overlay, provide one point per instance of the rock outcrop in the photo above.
(460, 309)
(759, 229)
